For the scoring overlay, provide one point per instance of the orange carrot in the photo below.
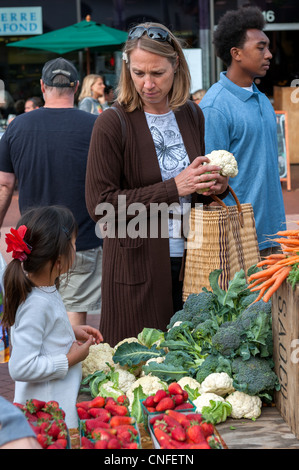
(266, 262)
(260, 295)
(265, 272)
(258, 281)
(287, 241)
(278, 281)
(277, 256)
(288, 233)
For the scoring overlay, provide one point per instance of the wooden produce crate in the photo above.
(285, 314)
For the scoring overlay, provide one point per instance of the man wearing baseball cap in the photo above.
(46, 151)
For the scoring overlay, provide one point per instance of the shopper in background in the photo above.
(46, 151)
(198, 95)
(47, 351)
(92, 97)
(159, 161)
(240, 119)
(33, 103)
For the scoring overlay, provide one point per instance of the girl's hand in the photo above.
(79, 351)
(196, 177)
(82, 333)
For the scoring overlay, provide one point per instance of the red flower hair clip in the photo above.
(15, 243)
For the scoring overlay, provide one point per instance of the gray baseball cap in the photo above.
(59, 66)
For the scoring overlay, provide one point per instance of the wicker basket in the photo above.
(220, 237)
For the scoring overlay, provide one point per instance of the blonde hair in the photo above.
(180, 91)
(88, 81)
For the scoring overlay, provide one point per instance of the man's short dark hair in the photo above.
(231, 30)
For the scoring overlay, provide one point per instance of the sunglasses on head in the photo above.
(153, 32)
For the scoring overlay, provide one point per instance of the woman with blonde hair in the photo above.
(92, 98)
(146, 151)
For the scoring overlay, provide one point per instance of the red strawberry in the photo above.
(118, 420)
(175, 389)
(44, 416)
(123, 400)
(180, 417)
(149, 401)
(184, 406)
(83, 404)
(178, 433)
(185, 395)
(164, 404)
(62, 443)
(194, 417)
(97, 402)
(159, 395)
(114, 444)
(34, 405)
(151, 409)
(119, 410)
(50, 406)
(200, 445)
(82, 413)
(93, 423)
(101, 444)
(86, 443)
(208, 429)
(44, 440)
(100, 434)
(214, 442)
(53, 430)
(178, 399)
(102, 413)
(195, 433)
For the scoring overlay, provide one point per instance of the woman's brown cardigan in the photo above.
(136, 277)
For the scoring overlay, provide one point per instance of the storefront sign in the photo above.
(21, 21)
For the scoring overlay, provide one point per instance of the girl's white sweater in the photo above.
(41, 337)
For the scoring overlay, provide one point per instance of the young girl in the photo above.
(45, 358)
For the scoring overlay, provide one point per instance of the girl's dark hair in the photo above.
(231, 30)
(49, 233)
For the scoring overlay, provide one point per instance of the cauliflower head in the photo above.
(225, 160)
(204, 400)
(125, 379)
(219, 383)
(159, 360)
(97, 359)
(189, 381)
(244, 406)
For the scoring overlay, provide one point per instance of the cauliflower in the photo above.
(97, 359)
(126, 340)
(244, 406)
(150, 385)
(225, 160)
(192, 383)
(125, 379)
(204, 400)
(219, 383)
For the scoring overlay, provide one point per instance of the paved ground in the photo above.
(292, 210)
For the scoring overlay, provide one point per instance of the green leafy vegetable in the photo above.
(133, 353)
(217, 412)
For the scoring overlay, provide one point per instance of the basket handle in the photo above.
(217, 199)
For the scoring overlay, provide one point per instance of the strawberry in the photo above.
(200, 445)
(214, 442)
(149, 401)
(194, 417)
(164, 404)
(195, 433)
(114, 444)
(180, 417)
(62, 443)
(123, 400)
(184, 406)
(208, 429)
(20, 406)
(97, 402)
(119, 410)
(31, 417)
(118, 420)
(44, 440)
(34, 405)
(102, 413)
(83, 404)
(55, 445)
(164, 439)
(101, 444)
(159, 395)
(86, 443)
(53, 430)
(178, 433)
(99, 434)
(51, 406)
(185, 395)
(44, 416)
(127, 427)
(82, 413)
(155, 418)
(151, 409)
(178, 399)
(132, 445)
(175, 389)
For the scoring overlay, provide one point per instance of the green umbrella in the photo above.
(86, 34)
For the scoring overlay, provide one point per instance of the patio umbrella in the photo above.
(82, 35)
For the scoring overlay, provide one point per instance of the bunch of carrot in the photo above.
(276, 267)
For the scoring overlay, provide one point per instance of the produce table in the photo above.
(269, 431)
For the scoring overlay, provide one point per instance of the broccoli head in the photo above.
(203, 302)
(252, 312)
(213, 363)
(227, 339)
(180, 315)
(255, 376)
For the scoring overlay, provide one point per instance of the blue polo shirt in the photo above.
(244, 123)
